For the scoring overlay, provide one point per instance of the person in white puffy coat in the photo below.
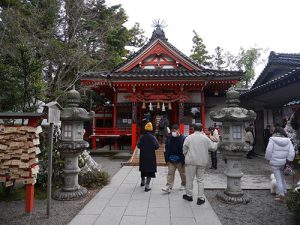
(280, 151)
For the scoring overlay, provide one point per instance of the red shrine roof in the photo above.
(158, 44)
(159, 59)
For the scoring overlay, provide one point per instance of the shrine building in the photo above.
(156, 80)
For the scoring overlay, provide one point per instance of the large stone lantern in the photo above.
(233, 145)
(71, 145)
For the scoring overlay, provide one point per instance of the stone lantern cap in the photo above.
(72, 112)
(232, 112)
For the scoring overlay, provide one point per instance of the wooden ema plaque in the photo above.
(18, 158)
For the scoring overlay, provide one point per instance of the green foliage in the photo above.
(136, 36)
(293, 203)
(57, 162)
(218, 59)
(246, 60)
(199, 52)
(92, 99)
(94, 179)
(221, 60)
(21, 75)
(57, 41)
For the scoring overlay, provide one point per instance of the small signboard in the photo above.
(53, 112)
(186, 130)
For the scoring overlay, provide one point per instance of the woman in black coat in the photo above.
(147, 145)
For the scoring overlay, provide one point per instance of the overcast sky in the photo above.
(230, 24)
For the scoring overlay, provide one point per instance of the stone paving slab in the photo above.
(124, 202)
(218, 181)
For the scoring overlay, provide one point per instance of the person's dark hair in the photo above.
(175, 127)
(280, 131)
(198, 127)
(247, 129)
(211, 128)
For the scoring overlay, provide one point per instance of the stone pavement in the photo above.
(124, 202)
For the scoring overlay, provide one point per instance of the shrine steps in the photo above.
(160, 158)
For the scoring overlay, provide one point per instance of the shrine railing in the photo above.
(112, 131)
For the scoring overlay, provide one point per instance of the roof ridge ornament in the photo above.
(158, 32)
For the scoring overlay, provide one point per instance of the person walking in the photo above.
(214, 136)
(279, 152)
(163, 127)
(147, 145)
(267, 134)
(195, 150)
(174, 158)
(249, 139)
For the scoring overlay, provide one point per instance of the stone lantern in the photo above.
(71, 145)
(233, 145)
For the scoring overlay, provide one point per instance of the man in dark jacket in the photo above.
(174, 158)
(147, 145)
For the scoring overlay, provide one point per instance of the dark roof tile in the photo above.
(287, 59)
(166, 73)
(275, 83)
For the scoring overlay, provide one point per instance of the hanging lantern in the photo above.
(150, 106)
(163, 108)
(144, 105)
(169, 106)
(158, 105)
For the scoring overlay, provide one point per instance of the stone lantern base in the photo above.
(233, 194)
(229, 198)
(63, 195)
(71, 190)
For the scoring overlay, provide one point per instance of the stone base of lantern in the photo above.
(241, 198)
(63, 195)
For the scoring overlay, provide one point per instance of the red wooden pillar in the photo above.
(116, 146)
(115, 111)
(202, 109)
(174, 113)
(30, 187)
(94, 139)
(133, 125)
(29, 198)
(181, 116)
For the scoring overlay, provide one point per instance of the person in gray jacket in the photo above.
(195, 149)
(280, 151)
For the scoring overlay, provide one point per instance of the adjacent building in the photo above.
(275, 95)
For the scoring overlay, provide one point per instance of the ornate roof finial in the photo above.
(157, 23)
(158, 31)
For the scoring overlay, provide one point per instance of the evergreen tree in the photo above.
(219, 60)
(199, 52)
(21, 77)
(65, 38)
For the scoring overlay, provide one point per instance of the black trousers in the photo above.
(214, 159)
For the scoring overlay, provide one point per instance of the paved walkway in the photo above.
(124, 202)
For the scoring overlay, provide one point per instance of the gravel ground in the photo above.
(262, 210)
(62, 212)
